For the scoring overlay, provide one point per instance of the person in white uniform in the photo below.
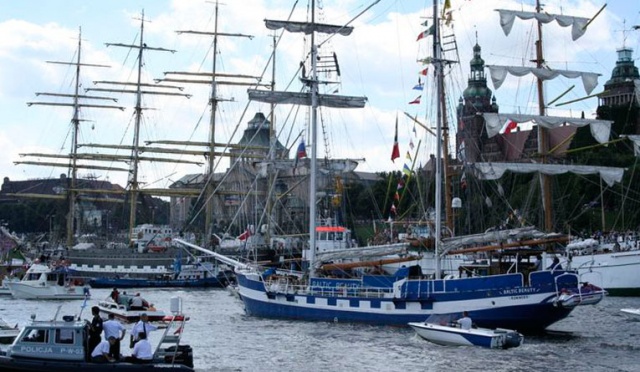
(100, 353)
(115, 329)
(142, 352)
(465, 322)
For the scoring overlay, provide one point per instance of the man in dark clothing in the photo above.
(95, 328)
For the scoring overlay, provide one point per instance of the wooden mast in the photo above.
(543, 133)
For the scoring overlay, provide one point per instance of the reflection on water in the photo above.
(592, 338)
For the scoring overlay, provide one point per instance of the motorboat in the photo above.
(449, 333)
(7, 332)
(45, 282)
(587, 294)
(4, 288)
(60, 346)
(121, 308)
(634, 312)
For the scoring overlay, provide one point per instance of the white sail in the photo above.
(304, 98)
(578, 24)
(307, 27)
(494, 171)
(499, 73)
(493, 237)
(635, 138)
(600, 129)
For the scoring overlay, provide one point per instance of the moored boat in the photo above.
(7, 333)
(631, 311)
(44, 282)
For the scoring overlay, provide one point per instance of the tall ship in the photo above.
(503, 291)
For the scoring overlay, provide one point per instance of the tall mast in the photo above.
(135, 148)
(543, 134)
(437, 63)
(187, 77)
(72, 192)
(314, 146)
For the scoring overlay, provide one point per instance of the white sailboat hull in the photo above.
(37, 291)
(616, 272)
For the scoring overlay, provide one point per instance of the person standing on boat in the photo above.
(538, 264)
(136, 303)
(100, 353)
(465, 322)
(555, 265)
(142, 326)
(115, 329)
(95, 328)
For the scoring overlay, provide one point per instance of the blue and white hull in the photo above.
(454, 336)
(501, 301)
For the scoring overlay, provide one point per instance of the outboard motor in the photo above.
(513, 339)
(183, 356)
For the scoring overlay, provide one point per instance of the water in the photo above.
(593, 338)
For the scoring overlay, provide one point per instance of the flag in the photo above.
(178, 331)
(393, 208)
(418, 86)
(511, 125)
(463, 181)
(424, 72)
(396, 196)
(447, 12)
(246, 234)
(426, 33)
(400, 184)
(411, 145)
(302, 150)
(395, 152)
(406, 170)
(425, 23)
(408, 156)
(416, 101)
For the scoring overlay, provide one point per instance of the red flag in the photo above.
(510, 126)
(245, 234)
(416, 101)
(426, 33)
(425, 71)
(395, 152)
(396, 196)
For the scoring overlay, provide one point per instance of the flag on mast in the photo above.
(395, 152)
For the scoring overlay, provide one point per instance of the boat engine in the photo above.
(512, 339)
(184, 355)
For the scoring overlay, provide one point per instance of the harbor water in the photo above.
(592, 338)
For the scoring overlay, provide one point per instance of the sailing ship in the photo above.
(507, 299)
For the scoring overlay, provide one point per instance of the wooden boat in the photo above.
(44, 282)
(449, 333)
(59, 346)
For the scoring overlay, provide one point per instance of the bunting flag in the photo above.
(424, 72)
(393, 209)
(245, 235)
(447, 12)
(511, 125)
(396, 196)
(416, 101)
(411, 145)
(395, 152)
(302, 150)
(414, 133)
(408, 156)
(400, 184)
(463, 181)
(406, 170)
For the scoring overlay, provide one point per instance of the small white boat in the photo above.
(42, 282)
(634, 312)
(450, 334)
(4, 288)
(7, 333)
(121, 309)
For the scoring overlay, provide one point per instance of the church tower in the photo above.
(471, 138)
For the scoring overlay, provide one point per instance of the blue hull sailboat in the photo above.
(513, 299)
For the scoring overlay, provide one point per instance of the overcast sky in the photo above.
(378, 60)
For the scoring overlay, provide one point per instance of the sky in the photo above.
(378, 60)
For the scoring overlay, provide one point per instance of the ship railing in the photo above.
(291, 285)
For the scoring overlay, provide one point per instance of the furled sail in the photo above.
(302, 98)
(362, 252)
(499, 73)
(494, 171)
(307, 27)
(578, 24)
(495, 236)
(600, 129)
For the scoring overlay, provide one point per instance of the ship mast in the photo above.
(138, 92)
(437, 63)
(72, 192)
(214, 99)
